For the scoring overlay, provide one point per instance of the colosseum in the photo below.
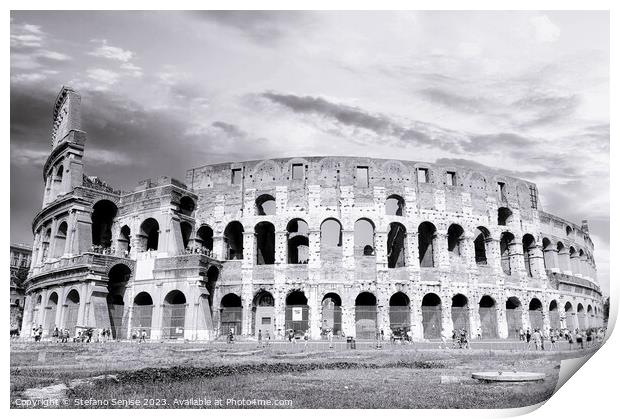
(354, 245)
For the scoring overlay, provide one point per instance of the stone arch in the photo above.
(514, 319)
(60, 240)
(296, 312)
(505, 242)
(427, 237)
(50, 312)
(103, 215)
(124, 240)
(149, 235)
(482, 238)
(265, 204)
(554, 315)
(400, 318)
(504, 216)
(204, 238)
(187, 205)
(397, 246)
(298, 243)
(536, 314)
(365, 315)
(529, 248)
(331, 313)
(186, 233)
(395, 205)
(571, 321)
(233, 240)
(456, 237)
(231, 314)
(71, 310)
(173, 319)
(364, 237)
(142, 316)
(263, 314)
(460, 313)
(431, 316)
(487, 309)
(331, 240)
(265, 234)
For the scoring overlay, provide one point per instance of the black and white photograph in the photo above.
(304, 209)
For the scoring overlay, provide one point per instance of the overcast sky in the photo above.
(526, 92)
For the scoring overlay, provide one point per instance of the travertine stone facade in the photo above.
(355, 245)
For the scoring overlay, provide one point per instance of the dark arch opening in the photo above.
(426, 244)
(480, 245)
(504, 216)
(488, 317)
(298, 244)
(364, 237)
(233, 239)
(103, 215)
(187, 205)
(394, 205)
(265, 243)
(204, 238)
(331, 314)
(186, 233)
(124, 240)
(396, 245)
(149, 234)
(174, 315)
(505, 241)
(456, 235)
(265, 205)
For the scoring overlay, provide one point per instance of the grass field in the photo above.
(177, 375)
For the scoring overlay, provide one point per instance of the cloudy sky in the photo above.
(525, 92)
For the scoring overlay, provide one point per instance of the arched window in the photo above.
(331, 240)
(456, 235)
(482, 238)
(400, 313)
(204, 237)
(186, 205)
(395, 205)
(61, 240)
(529, 247)
(298, 244)
(426, 243)
(364, 237)
(104, 212)
(265, 243)
(149, 234)
(174, 315)
(124, 240)
(233, 239)
(504, 216)
(548, 250)
(265, 205)
(505, 241)
(396, 246)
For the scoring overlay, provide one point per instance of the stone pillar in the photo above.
(281, 247)
(537, 263)
(413, 257)
(546, 320)
(525, 318)
(158, 313)
(417, 330)
(564, 261)
(494, 257)
(440, 251)
(381, 249)
(517, 263)
(574, 264)
(551, 259)
(446, 317)
(246, 311)
(348, 319)
(348, 249)
(314, 312)
(468, 252)
(502, 321)
(279, 313)
(474, 319)
(219, 248)
(249, 250)
(314, 249)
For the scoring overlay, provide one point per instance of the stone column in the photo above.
(281, 247)
(280, 313)
(446, 317)
(348, 249)
(474, 319)
(525, 318)
(249, 250)
(314, 312)
(158, 313)
(440, 251)
(537, 263)
(413, 257)
(494, 257)
(417, 330)
(502, 322)
(381, 249)
(551, 258)
(348, 319)
(314, 249)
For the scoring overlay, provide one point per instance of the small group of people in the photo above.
(196, 248)
(139, 335)
(582, 339)
(460, 338)
(104, 250)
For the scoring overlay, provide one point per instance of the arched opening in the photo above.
(265, 234)
(364, 238)
(365, 316)
(456, 235)
(57, 179)
(331, 240)
(174, 315)
(513, 317)
(589, 317)
(488, 317)
(554, 315)
(506, 240)
(71, 309)
(396, 246)
(186, 233)
(427, 234)
(460, 314)
(60, 240)
(548, 250)
(142, 316)
(233, 240)
(482, 238)
(569, 231)
(187, 206)
(296, 313)
(504, 216)
(213, 275)
(563, 258)
(569, 312)
(395, 205)
(298, 244)
(265, 205)
(118, 277)
(431, 316)
(400, 318)
(331, 314)
(104, 212)
(536, 314)
(231, 313)
(581, 317)
(529, 247)
(46, 244)
(124, 240)
(263, 314)
(204, 239)
(50, 312)
(574, 260)
(149, 235)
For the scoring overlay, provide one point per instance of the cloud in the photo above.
(52, 55)
(453, 100)
(111, 52)
(27, 77)
(105, 78)
(133, 69)
(544, 29)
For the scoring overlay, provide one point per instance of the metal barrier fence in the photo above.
(296, 318)
(366, 322)
(570, 321)
(230, 318)
(142, 319)
(488, 322)
(514, 322)
(71, 316)
(581, 317)
(536, 320)
(50, 319)
(173, 321)
(554, 319)
(460, 319)
(332, 319)
(431, 322)
(400, 317)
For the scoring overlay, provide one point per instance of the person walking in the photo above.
(260, 338)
